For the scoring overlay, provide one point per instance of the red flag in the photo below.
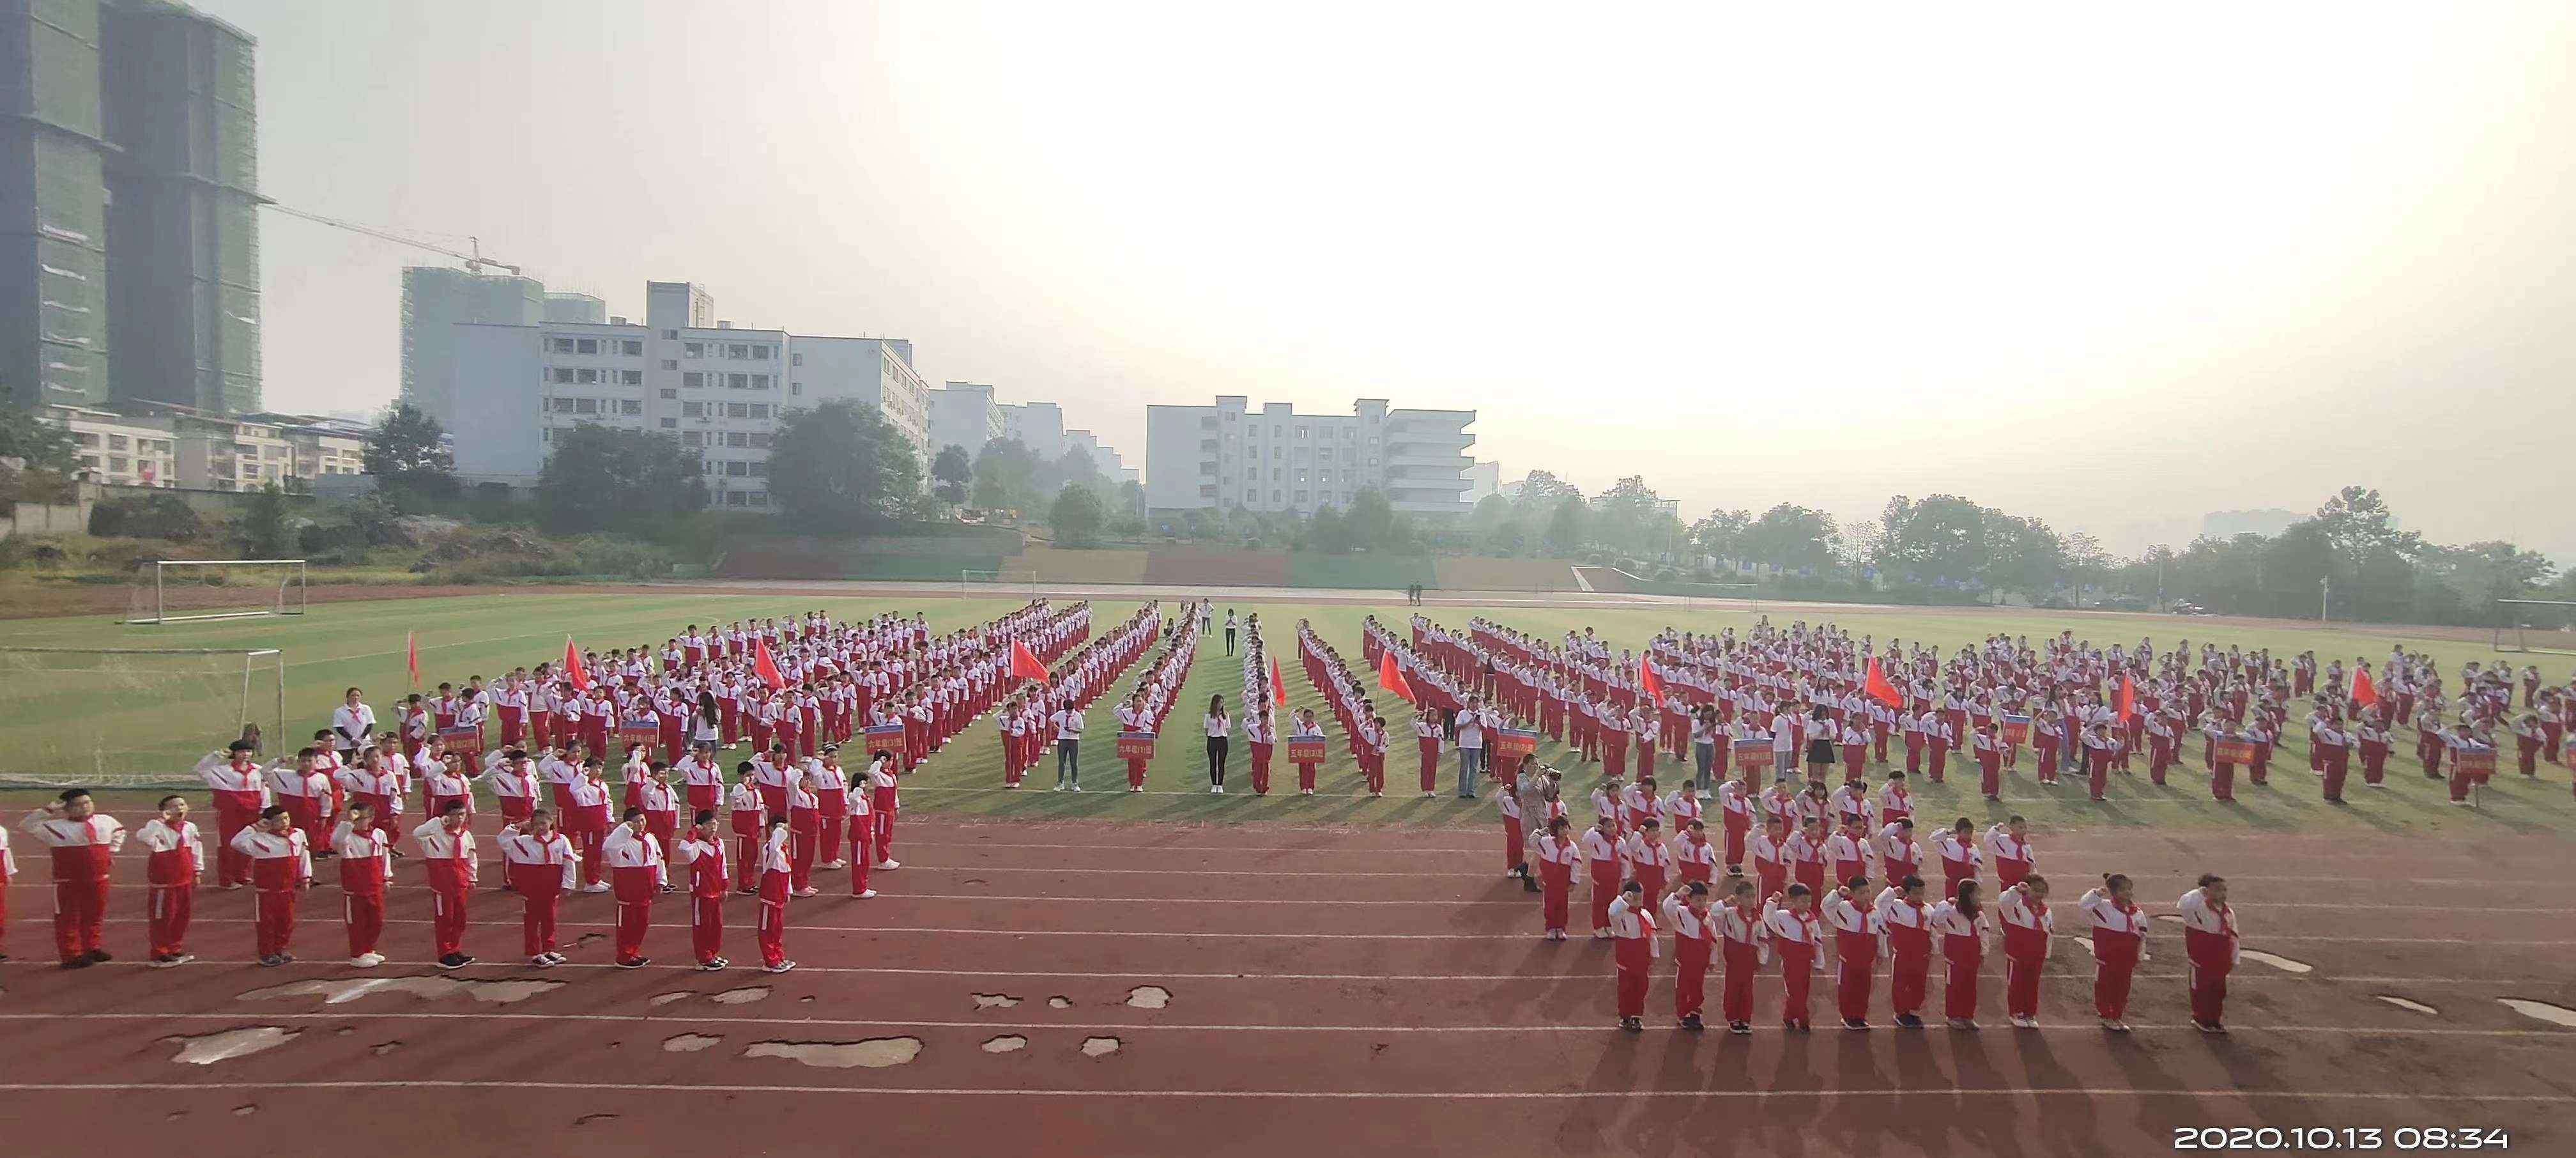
(572, 666)
(1278, 690)
(2364, 692)
(1877, 686)
(1392, 678)
(1648, 682)
(2128, 698)
(411, 655)
(1024, 663)
(765, 665)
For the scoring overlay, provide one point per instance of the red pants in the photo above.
(1636, 959)
(1735, 831)
(307, 812)
(364, 914)
(747, 850)
(232, 866)
(1962, 956)
(2021, 985)
(1690, 979)
(447, 914)
(1555, 882)
(706, 926)
(1743, 962)
(1855, 973)
(773, 919)
(80, 908)
(1135, 772)
(2097, 770)
(1605, 886)
(540, 886)
(274, 912)
(804, 837)
(1990, 773)
(884, 842)
(1261, 769)
(635, 890)
(1512, 845)
(2222, 782)
(1430, 746)
(862, 853)
(1305, 777)
(2115, 958)
(2337, 767)
(2212, 956)
(1906, 980)
(1797, 969)
(588, 843)
(171, 906)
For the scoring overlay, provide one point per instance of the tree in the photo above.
(2021, 554)
(1005, 475)
(1329, 532)
(1942, 538)
(1565, 523)
(1630, 517)
(1542, 492)
(1076, 516)
(954, 472)
(264, 532)
(1374, 525)
(839, 467)
(1131, 499)
(406, 454)
(1721, 534)
(1793, 538)
(159, 515)
(602, 479)
(52, 461)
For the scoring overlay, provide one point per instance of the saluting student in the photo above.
(366, 863)
(637, 872)
(280, 864)
(2119, 941)
(84, 843)
(2211, 940)
(1633, 929)
(702, 851)
(178, 859)
(777, 873)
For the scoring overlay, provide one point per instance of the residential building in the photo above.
(435, 299)
(118, 450)
(963, 414)
(1038, 426)
(319, 446)
(129, 236)
(1276, 460)
(1484, 479)
(171, 445)
(572, 307)
(718, 388)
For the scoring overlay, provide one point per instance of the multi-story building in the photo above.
(1275, 459)
(435, 299)
(129, 236)
(964, 415)
(573, 307)
(1484, 480)
(717, 388)
(119, 450)
(1038, 426)
(170, 445)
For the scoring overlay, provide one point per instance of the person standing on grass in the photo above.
(1068, 723)
(178, 860)
(1633, 931)
(280, 864)
(1229, 631)
(2212, 942)
(366, 863)
(2119, 943)
(84, 844)
(448, 858)
(702, 852)
(777, 873)
(1219, 727)
(353, 725)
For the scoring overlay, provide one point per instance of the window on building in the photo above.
(760, 381)
(670, 335)
(1252, 496)
(738, 351)
(670, 363)
(759, 410)
(736, 499)
(796, 360)
(1278, 497)
(737, 410)
(560, 345)
(693, 380)
(631, 347)
(585, 406)
(693, 438)
(673, 424)
(760, 470)
(630, 377)
(758, 498)
(798, 388)
(761, 353)
(693, 410)
(586, 346)
(761, 441)
(737, 381)
(737, 438)
(559, 374)
(586, 376)
(693, 349)
(630, 406)
(737, 468)
(668, 392)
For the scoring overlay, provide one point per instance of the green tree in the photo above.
(406, 455)
(159, 515)
(1131, 500)
(2021, 554)
(839, 467)
(603, 479)
(1542, 492)
(1566, 522)
(1373, 523)
(1794, 538)
(1329, 532)
(1076, 516)
(1005, 475)
(264, 531)
(954, 473)
(1721, 534)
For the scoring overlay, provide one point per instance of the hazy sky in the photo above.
(2108, 266)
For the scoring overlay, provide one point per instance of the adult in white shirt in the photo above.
(1068, 746)
(1219, 727)
(353, 725)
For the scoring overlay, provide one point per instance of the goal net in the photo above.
(986, 583)
(2535, 625)
(134, 717)
(180, 590)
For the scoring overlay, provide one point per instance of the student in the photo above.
(750, 820)
(178, 860)
(1601, 856)
(637, 872)
(280, 864)
(1220, 726)
(777, 872)
(2212, 943)
(448, 858)
(1557, 853)
(1795, 932)
(84, 844)
(1633, 930)
(2008, 845)
(2027, 924)
(1746, 937)
(702, 852)
(1908, 930)
(1963, 952)
(2119, 941)
(1685, 910)
(1857, 935)
(366, 863)
(1068, 746)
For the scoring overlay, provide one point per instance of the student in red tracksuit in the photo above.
(661, 805)
(240, 789)
(750, 822)
(884, 799)
(1557, 853)
(831, 787)
(2119, 938)
(2211, 940)
(538, 860)
(279, 865)
(586, 824)
(178, 859)
(1795, 932)
(637, 871)
(448, 859)
(1746, 938)
(1633, 931)
(1858, 932)
(1908, 929)
(1601, 858)
(805, 835)
(2022, 910)
(777, 872)
(1686, 912)
(1963, 951)
(366, 863)
(84, 845)
(703, 852)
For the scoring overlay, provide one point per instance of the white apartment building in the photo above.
(963, 414)
(718, 388)
(1275, 459)
(1484, 479)
(118, 450)
(1038, 425)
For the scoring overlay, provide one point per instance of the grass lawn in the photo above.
(73, 718)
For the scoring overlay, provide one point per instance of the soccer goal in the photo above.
(1725, 597)
(180, 590)
(2547, 625)
(134, 717)
(971, 584)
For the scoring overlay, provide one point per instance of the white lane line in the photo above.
(1591, 1027)
(1297, 1095)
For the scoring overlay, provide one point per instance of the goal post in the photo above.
(1748, 594)
(2517, 621)
(183, 590)
(134, 717)
(974, 583)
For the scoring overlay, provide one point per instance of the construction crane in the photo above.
(474, 261)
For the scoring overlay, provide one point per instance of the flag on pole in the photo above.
(411, 655)
(1877, 686)
(1024, 663)
(765, 665)
(1278, 690)
(2128, 698)
(1648, 682)
(572, 666)
(1392, 678)
(2364, 692)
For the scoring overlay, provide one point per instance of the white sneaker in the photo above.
(807, 892)
(782, 967)
(595, 888)
(834, 864)
(367, 960)
(542, 961)
(1059, 787)
(889, 865)
(1075, 788)
(174, 962)
(867, 894)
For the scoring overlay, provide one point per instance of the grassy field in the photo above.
(362, 643)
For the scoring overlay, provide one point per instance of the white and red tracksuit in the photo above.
(240, 789)
(306, 796)
(587, 823)
(365, 866)
(777, 868)
(885, 799)
(540, 869)
(1746, 941)
(863, 839)
(707, 883)
(280, 863)
(1857, 934)
(2211, 940)
(515, 789)
(1632, 931)
(1908, 930)
(637, 874)
(2119, 938)
(661, 805)
(805, 832)
(381, 791)
(84, 852)
(448, 859)
(1693, 942)
(1601, 859)
(1963, 952)
(1794, 936)
(2027, 925)
(2014, 859)
(177, 860)
(750, 827)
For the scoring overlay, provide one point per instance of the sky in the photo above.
(2111, 267)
